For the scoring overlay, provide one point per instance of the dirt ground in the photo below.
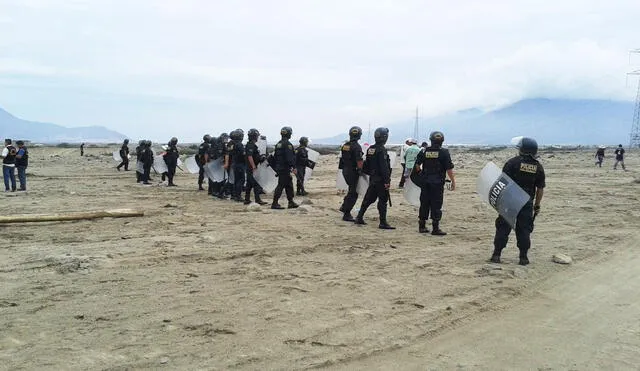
(199, 283)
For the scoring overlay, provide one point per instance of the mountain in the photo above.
(16, 128)
(550, 121)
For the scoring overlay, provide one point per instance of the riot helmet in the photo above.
(355, 133)
(286, 132)
(206, 138)
(381, 135)
(436, 138)
(528, 147)
(304, 141)
(253, 134)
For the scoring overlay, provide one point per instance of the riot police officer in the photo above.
(124, 156)
(139, 151)
(235, 163)
(302, 159)
(217, 152)
(378, 166)
(285, 164)
(351, 164)
(170, 157)
(529, 174)
(147, 162)
(432, 166)
(201, 159)
(254, 157)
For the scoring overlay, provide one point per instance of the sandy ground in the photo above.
(204, 284)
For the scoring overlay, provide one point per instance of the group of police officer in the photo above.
(432, 166)
(241, 162)
(430, 171)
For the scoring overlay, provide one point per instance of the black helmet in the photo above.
(126, 141)
(173, 141)
(239, 134)
(253, 134)
(381, 135)
(286, 132)
(147, 143)
(223, 137)
(355, 133)
(436, 136)
(528, 147)
(212, 140)
(141, 142)
(206, 138)
(304, 141)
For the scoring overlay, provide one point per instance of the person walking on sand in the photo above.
(600, 156)
(22, 161)
(619, 158)
(9, 166)
(82, 149)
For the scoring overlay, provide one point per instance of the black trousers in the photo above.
(300, 172)
(350, 199)
(376, 191)
(524, 228)
(402, 177)
(252, 185)
(171, 171)
(125, 163)
(201, 174)
(285, 182)
(147, 174)
(238, 179)
(431, 199)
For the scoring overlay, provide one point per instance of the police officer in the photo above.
(203, 150)
(139, 151)
(619, 152)
(285, 164)
(599, 156)
(378, 166)
(22, 162)
(351, 164)
(432, 166)
(147, 162)
(217, 152)
(302, 159)
(170, 157)
(528, 173)
(254, 157)
(124, 156)
(235, 163)
(9, 165)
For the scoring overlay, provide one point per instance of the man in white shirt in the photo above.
(403, 162)
(9, 165)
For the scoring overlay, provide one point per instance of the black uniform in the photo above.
(171, 159)
(147, 163)
(124, 155)
(285, 162)
(82, 149)
(434, 162)
(351, 154)
(215, 152)
(252, 151)
(528, 173)
(378, 166)
(302, 159)
(619, 158)
(237, 161)
(599, 156)
(203, 150)
(139, 150)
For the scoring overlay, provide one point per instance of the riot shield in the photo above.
(313, 156)
(215, 171)
(361, 189)
(501, 192)
(116, 156)
(266, 177)
(159, 165)
(412, 192)
(140, 167)
(192, 165)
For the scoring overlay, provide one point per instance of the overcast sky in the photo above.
(158, 68)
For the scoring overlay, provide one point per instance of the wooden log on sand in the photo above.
(115, 213)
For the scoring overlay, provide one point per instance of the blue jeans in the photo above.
(22, 176)
(9, 174)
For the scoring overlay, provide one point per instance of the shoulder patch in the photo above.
(432, 154)
(279, 145)
(529, 168)
(371, 151)
(290, 146)
(346, 147)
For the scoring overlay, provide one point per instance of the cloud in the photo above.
(317, 65)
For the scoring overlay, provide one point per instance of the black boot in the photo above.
(347, 217)
(436, 229)
(385, 225)
(260, 202)
(422, 226)
(292, 205)
(524, 260)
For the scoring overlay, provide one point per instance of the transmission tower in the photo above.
(634, 136)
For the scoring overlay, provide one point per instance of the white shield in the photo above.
(140, 167)
(501, 192)
(393, 159)
(412, 192)
(313, 156)
(262, 146)
(361, 189)
(266, 177)
(192, 165)
(159, 165)
(116, 156)
(215, 170)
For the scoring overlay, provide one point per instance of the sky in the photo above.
(162, 68)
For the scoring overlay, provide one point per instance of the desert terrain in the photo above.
(199, 283)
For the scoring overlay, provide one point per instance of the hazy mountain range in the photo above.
(40, 132)
(550, 121)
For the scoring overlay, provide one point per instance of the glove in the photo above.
(536, 209)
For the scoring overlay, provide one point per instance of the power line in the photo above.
(634, 136)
